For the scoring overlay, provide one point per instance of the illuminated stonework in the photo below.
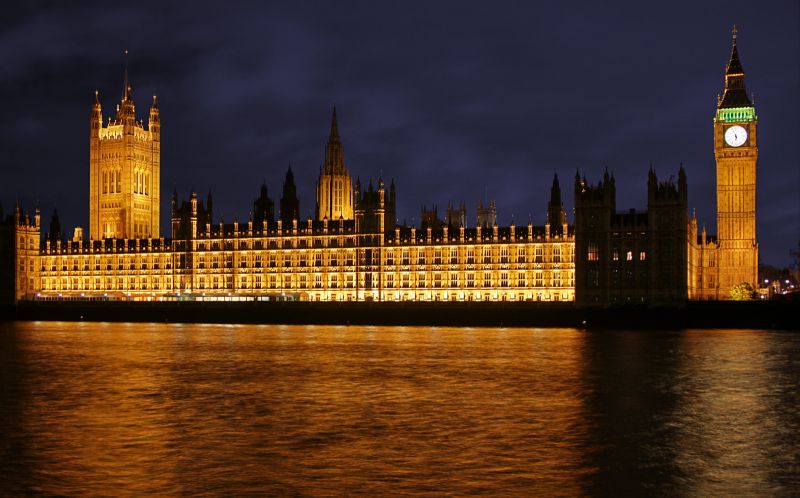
(124, 172)
(316, 261)
(352, 251)
(716, 264)
(334, 186)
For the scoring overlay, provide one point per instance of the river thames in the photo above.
(99, 409)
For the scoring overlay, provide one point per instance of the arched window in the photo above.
(105, 182)
(136, 182)
(119, 182)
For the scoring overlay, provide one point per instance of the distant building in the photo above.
(487, 215)
(456, 217)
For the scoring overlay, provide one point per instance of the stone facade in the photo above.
(630, 257)
(124, 172)
(717, 263)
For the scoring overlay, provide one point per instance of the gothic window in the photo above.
(629, 256)
(556, 254)
(487, 279)
(504, 279)
(504, 254)
(453, 255)
(538, 254)
(119, 182)
(615, 254)
(642, 255)
(105, 182)
(454, 280)
(593, 254)
(521, 255)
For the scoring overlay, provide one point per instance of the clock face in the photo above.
(735, 136)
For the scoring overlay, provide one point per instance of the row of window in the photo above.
(593, 254)
(318, 281)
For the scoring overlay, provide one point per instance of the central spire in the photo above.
(334, 157)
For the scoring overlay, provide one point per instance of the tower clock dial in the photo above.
(735, 136)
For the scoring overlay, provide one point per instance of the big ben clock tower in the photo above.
(736, 152)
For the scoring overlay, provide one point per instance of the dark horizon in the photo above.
(456, 104)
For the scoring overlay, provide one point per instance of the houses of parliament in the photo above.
(353, 249)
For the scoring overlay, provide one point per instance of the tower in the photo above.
(334, 187)
(290, 205)
(555, 209)
(736, 152)
(263, 208)
(124, 171)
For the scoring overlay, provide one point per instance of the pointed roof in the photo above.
(735, 92)
(334, 157)
(334, 127)
(734, 65)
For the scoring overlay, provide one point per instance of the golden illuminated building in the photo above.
(716, 264)
(353, 249)
(124, 172)
(334, 186)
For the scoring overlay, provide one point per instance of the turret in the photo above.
(193, 218)
(290, 204)
(96, 119)
(154, 124)
(555, 208)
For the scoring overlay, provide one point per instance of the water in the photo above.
(97, 409)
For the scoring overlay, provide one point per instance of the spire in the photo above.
(735, 93)
(126, 87)
(334, 158)
(334, 127)
(289, 203)
(734, 65)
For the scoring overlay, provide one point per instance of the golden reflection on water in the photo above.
(130, 409)
(174, 409)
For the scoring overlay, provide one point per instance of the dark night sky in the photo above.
(454, 100)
